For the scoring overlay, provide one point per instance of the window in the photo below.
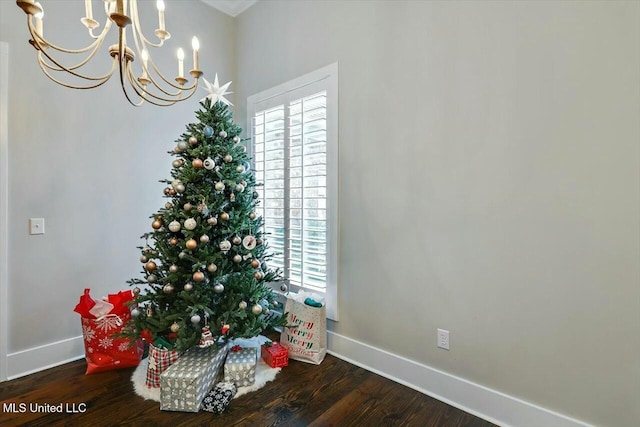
(295, 155)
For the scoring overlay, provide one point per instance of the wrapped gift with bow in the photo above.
(102, 321)
(274, 354)
(240, 367)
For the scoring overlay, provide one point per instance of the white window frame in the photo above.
(326, 79)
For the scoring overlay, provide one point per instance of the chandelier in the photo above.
(148, 85)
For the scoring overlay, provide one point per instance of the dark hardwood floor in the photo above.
(334, 393)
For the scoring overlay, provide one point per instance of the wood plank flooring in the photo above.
(334, 393)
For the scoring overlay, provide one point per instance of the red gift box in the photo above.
(275, 355)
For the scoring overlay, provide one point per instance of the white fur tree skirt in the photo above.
(264, 373)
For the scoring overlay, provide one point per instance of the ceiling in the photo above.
(231, 7)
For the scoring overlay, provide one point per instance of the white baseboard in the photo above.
(46, 356)
(483, 402)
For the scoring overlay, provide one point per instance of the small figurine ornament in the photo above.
(207, 338)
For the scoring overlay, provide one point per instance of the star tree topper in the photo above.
(216, 92)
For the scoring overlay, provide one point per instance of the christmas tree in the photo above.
(205, 262)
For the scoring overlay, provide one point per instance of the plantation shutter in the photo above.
(291, 153)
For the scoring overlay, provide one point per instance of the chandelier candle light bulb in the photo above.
(195, 44)
(88, 9)
(160, 6)
(39, 25)
(180, 63)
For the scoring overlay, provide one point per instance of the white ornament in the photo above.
(236, 138)
(188, 287)
(239, 188)
(216, 92)
(175, 183)
(209, 163)
(174, 226)
(242, 305)
(225, 245)
(256, 309)
(180, 188)
(204, 238)
(219, 186)
(195, 319)
(218, 288)
(249, 242)
(228, 158)
(190, 223)
(223, 134)
(240, 168)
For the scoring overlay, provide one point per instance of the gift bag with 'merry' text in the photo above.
(305, 335)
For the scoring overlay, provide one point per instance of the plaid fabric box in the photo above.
(185, 383)
(159, 361)
(240, 367)
(274, 354)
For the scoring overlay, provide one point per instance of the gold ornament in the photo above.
(255, 263)
(150, 266)
(188, 287)
(224, 216)
(136, 291)
(228, 158)
(236, 240)
(191, 244)
(211, 268)
(237, 259)
(156, 224)
(173, 268)
(175, 327)
(193, 140)
(212, 221)
(204, 238)
(196, 163)
(173, 241)
(167, 289)
(252, 215)
(257, 275)
(188, 206)
(198, 276)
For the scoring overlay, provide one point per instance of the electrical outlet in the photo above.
(443, 339)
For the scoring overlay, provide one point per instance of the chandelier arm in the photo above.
(151, 97)
(138, 27)
(41, 42)
(69, 70)
(173, 85)
(91, 86)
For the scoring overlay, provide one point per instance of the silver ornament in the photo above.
(283, 287)
(174, 226)
(173, 268)
(218, 288)
(182, 254)
(143, 259)
(236, 138)
(204, 238)
(237, 259)
(167, 289)
(152, 278)
(135, 312)
(256, 309)
(182, 146)
(195, 319)
(180, 188)
(190, 223)
(209, 163)
(223, 134)
(239, 188)
(236, 240)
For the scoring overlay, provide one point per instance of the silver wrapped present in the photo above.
(186, 382)
(240, 367)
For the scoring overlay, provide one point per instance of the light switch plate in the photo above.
(36, 225)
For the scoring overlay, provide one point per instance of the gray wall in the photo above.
(89, 163)
(489, 170)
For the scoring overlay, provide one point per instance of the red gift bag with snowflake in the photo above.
(102, 321)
